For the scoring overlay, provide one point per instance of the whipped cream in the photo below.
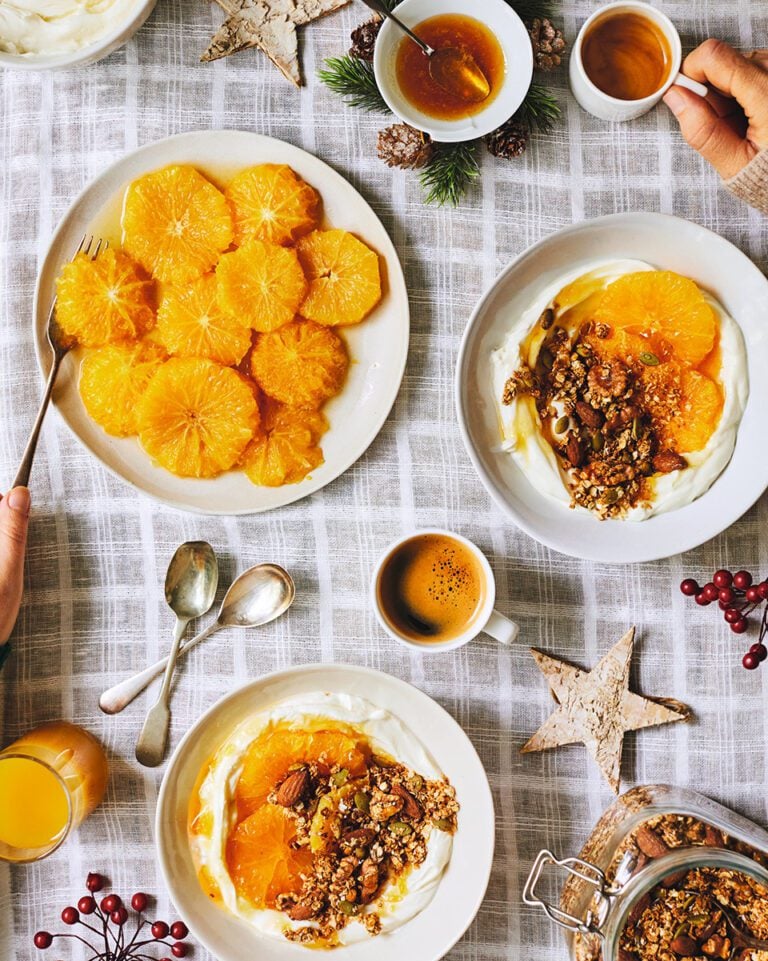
(521, 432)
(386, 734)
(33, 27)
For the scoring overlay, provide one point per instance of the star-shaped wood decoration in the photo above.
(269, 25)
(596, 708)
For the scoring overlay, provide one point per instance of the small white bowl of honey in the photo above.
(489, 31)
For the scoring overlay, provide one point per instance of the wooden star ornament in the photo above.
(269, 25)
(596, 708)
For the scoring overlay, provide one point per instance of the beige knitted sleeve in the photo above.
(751, 183)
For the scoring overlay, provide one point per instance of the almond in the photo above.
(588, 415)
(411, 807)
(293, 787)
(574, 452)
(667, 461)
(684, 946)
(301, 912)
(650, 843)
(713, 838)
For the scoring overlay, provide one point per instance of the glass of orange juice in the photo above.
(50, 781)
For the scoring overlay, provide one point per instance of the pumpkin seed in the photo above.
(340, 777)
(348, 908)
(362, 802)
(635, 428)
(582, 350)
(561, 425)
(416, 783)
(598, 441)
(401, 829)
(610, 496)
(546, 358)
(649, 359)
(443, 824)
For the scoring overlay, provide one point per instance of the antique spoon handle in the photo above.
(379, 7)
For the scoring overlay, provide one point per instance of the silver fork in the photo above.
(60, 347)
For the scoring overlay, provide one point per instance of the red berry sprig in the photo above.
(112, 915)
(737, 596)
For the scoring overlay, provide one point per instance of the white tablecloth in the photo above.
(94, 608)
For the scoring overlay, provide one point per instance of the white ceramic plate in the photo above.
(429, 935)
(665, 242)
(378, 347)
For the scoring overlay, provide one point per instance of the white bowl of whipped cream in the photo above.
(53, 34)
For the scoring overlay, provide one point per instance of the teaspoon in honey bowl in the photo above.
(258, 596)
(453, 68)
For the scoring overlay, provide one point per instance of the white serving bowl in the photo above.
(433, 931)
(508, 29)
(664, 242)
(89, 54)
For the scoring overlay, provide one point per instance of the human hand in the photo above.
(14, 520)
(730, 127)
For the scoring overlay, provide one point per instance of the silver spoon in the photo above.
(452, 68)
(190, 589)
(258, 596)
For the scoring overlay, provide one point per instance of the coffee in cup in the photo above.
(626, 55)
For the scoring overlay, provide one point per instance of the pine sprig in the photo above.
(539, 111)
(530, 9)
(451, 171)
(354, 80)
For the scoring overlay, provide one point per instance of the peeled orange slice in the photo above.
(176, 223)
(113, 380)
(191, 324)
(663, 304)
(271, 202)
(105, 300)
(301, 364)
(286, 452)
(262, 284)
(196, 418)
(260, 859)
(344, 277)
(701, 407)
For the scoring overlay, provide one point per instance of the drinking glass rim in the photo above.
(19, 755)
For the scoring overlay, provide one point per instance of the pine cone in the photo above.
(364, 39)
(404, 146)
(548, 43)
(510, 140)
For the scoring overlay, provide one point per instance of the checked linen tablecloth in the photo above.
(94, 609)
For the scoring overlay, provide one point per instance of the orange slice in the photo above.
(701, 407)
(262, 284)
(286, 452)
(663, 304)
(344, 277)
(260, 859)
(105, 300)
(301, 364)
(191, 324)
(196, 418)
(113, 380)
(271, 202)
(176, 223)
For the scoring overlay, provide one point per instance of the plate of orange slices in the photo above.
(242, 338)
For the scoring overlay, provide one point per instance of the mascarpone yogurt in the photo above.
(521, 432)
(386, 734)
(30, 28)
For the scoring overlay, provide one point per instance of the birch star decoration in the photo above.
(596, 708)
(269, 25)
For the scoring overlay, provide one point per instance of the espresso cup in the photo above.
(483, 619)
(603, 105)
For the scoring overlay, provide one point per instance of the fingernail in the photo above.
(19, 500)
(675, 101)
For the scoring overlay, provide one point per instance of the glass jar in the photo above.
(613, 873)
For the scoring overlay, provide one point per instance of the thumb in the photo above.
(14, 520)
(709, 134)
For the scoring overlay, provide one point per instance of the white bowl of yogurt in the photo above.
(54, 34)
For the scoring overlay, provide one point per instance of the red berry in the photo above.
(159, 930)
(760, 651)
(70, 915)
(710, 592)
(94, 882)
(722, 578)
(751, 661)
(742, 580)
(753, 595)
(86, 905)
(119, 916)
(110, 903)
(738, 627)
(702, 600)
(762, 590)
(43, 940)
(689, 587)
(179, 949)
(726, 595)
(179, 931)
(139, 901)
(732, 615)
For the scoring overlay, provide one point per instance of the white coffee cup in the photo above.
(601, 104)
(485, 620)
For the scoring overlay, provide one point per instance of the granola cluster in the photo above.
(365, 833)
(601, 415)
